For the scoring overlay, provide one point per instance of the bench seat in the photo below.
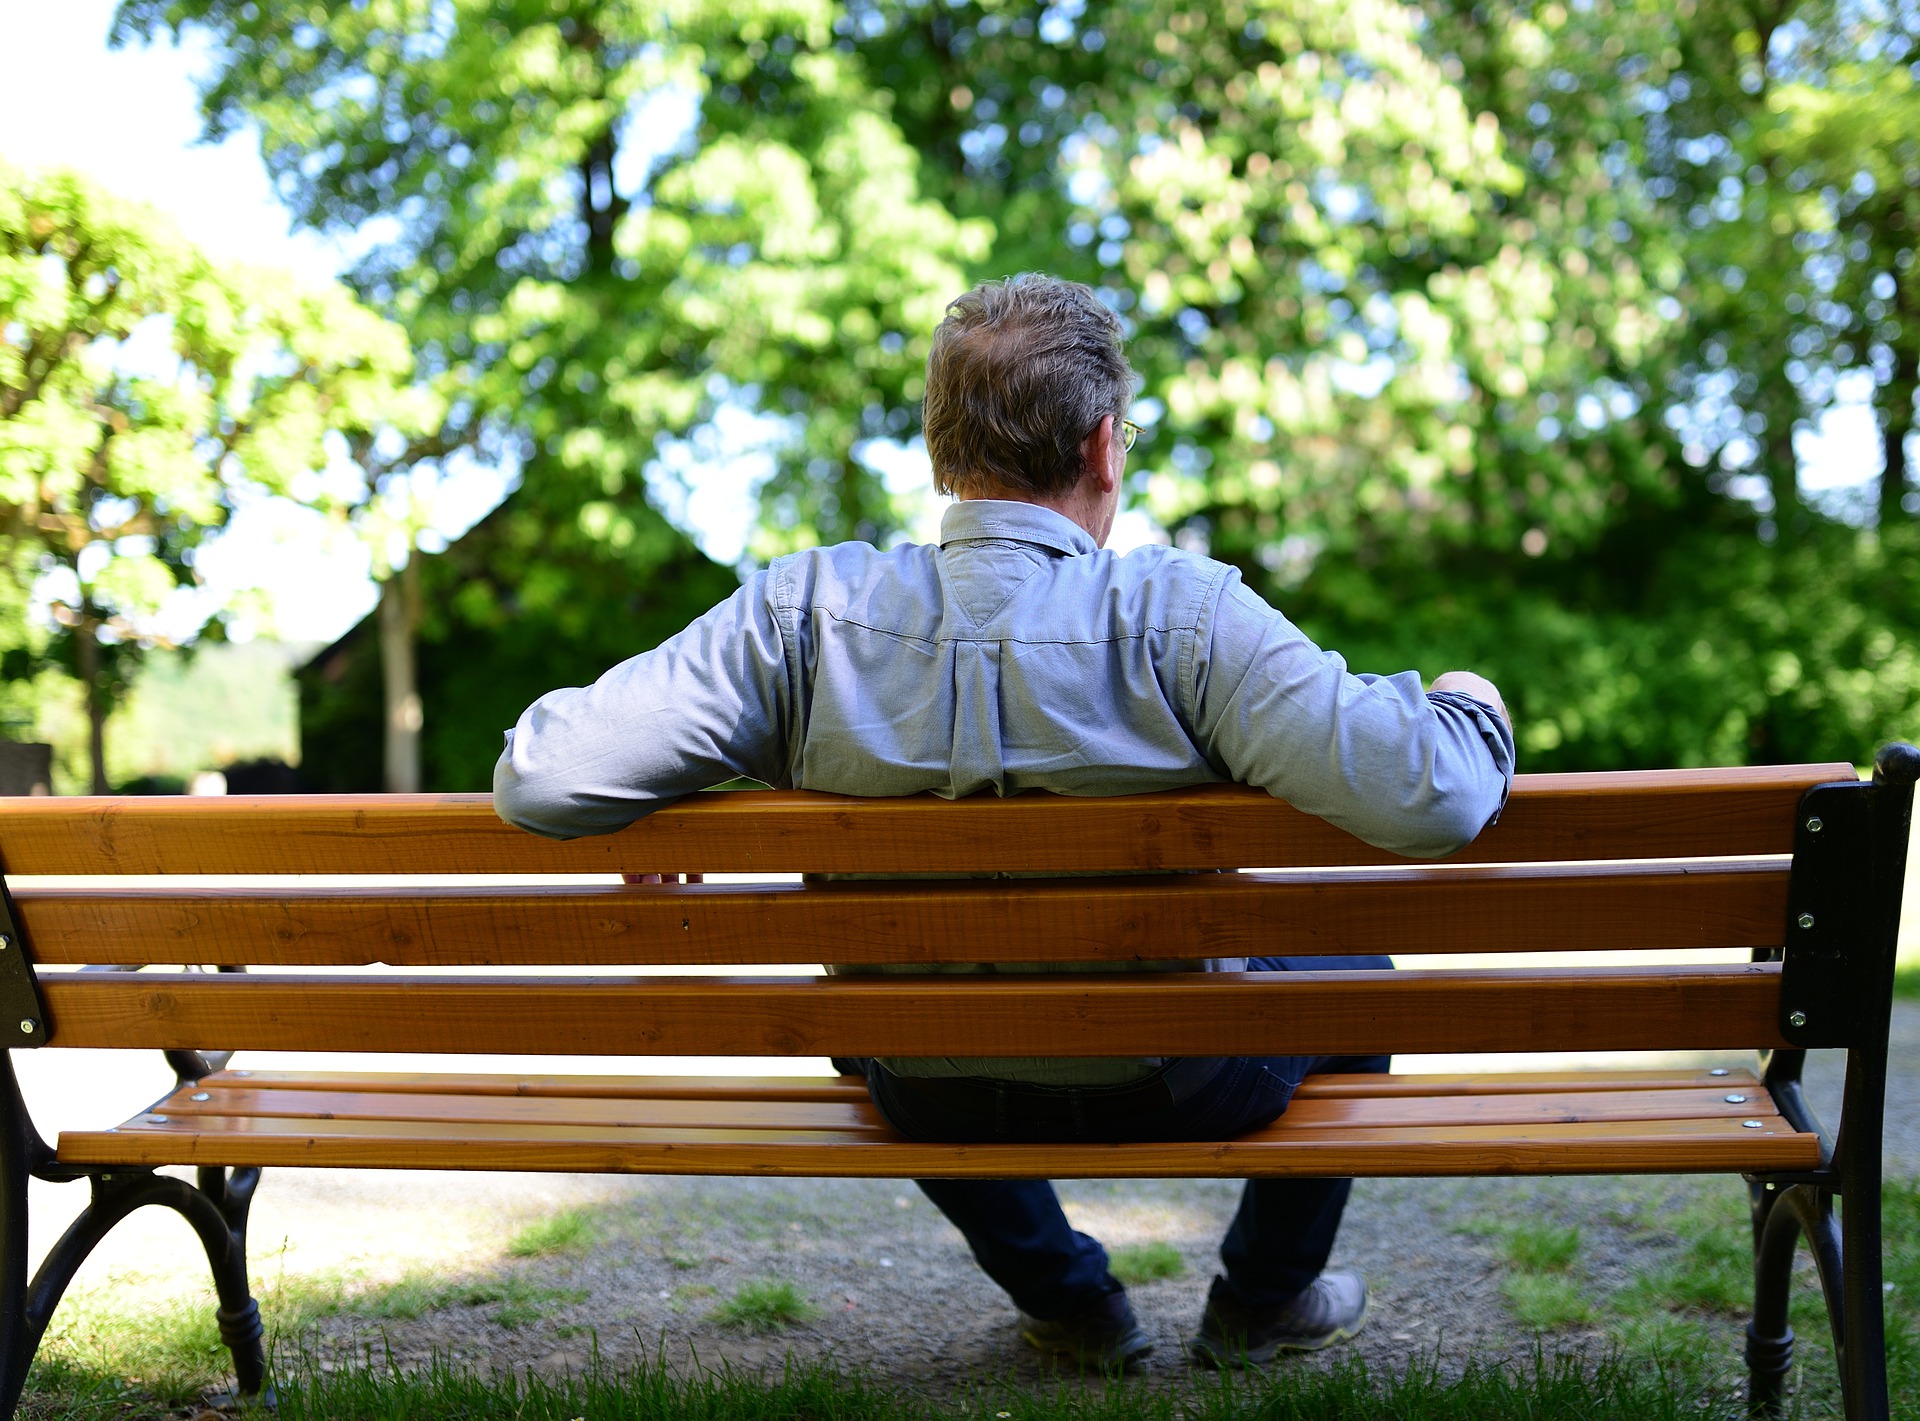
(1573, 1122)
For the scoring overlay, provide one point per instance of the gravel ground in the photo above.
(894, 1289)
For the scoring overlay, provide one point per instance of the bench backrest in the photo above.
(1642, 860)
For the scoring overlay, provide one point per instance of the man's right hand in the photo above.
(1479, 687)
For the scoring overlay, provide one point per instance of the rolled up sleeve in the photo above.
(1412, 772)
(702, 708)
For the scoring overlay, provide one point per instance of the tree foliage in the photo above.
(1471, 332)
(141, 384)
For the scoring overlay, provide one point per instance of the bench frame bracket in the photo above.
(23, 1012)
(1836, 990)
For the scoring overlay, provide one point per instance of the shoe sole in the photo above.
(1204, 1352)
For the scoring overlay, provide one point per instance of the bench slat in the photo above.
(534, 1086)
(1629, 814)
(1193, 1014)
(1640, 1146)
(854, 1088)
(858, 1113)
(1502, 908)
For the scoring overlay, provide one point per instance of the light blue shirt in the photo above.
(1017, 655)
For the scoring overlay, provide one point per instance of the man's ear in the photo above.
(1097, 455)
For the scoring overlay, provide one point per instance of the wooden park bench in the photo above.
(1800, 867)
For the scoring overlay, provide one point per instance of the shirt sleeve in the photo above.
(1414, 772)
(704, 707)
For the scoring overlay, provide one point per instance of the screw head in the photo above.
(28, 1026)
(1805, 920)
(5, 942)
(202, 1095)
(1752, 1124)
(1731, 1100)
(1719, 1071)
(1814, 825)
(1798, 1018)
(157, 1119)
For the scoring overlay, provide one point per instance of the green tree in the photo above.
(141, 384)
(1470, 332)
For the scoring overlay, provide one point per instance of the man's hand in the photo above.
(1479, 687)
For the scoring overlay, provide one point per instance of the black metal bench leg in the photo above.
(239, 1315)
(1849, 1267)
(116, 1195)
(1769, 1337)
(18, 1337)
(1863, 1357)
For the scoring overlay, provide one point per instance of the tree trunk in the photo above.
(399, 618)
(1896, 423)
(1781, 463)
(86, 648)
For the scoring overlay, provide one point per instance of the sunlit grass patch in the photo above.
(764, 1305)
(103, 1340)
(1137, 1263)
(1542, 1248)
(563, 1232)
(1546, 1301)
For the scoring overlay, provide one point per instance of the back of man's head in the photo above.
(1021, 372)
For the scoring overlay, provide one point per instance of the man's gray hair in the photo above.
(1021, 372)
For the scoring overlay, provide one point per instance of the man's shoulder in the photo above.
(835, 571)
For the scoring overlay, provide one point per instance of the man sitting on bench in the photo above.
(1020, 655)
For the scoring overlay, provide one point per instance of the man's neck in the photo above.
(1075, 507)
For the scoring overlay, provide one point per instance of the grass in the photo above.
(1540, 1257)
(1607, 1390)
(564, 1232)
(1542, 1248)
(764, 1305)
(1545, 1301)
(1137, 1263)
(1906, 981)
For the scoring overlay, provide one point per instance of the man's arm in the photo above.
(1413, 772)
(703, 707)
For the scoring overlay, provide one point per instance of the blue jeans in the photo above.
(1279, 1240)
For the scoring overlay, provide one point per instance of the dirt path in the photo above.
(423, 1259)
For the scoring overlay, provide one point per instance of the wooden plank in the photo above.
(853, 1087)
(1502, 908)
(1315, 1113)
(1632, 814)
(583, 1086)
(854, 1113)
(1191, 1014)
(1664, 1147)
(1522, 1082)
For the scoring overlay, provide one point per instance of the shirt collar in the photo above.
(970, 518)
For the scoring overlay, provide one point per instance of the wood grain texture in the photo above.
(1522, 1082)
(1430, 1083)
(858, 1114)
(1501, 908)
(582, 1086)
(1634, 814)
(1608, 1147)
(1181, 1014)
